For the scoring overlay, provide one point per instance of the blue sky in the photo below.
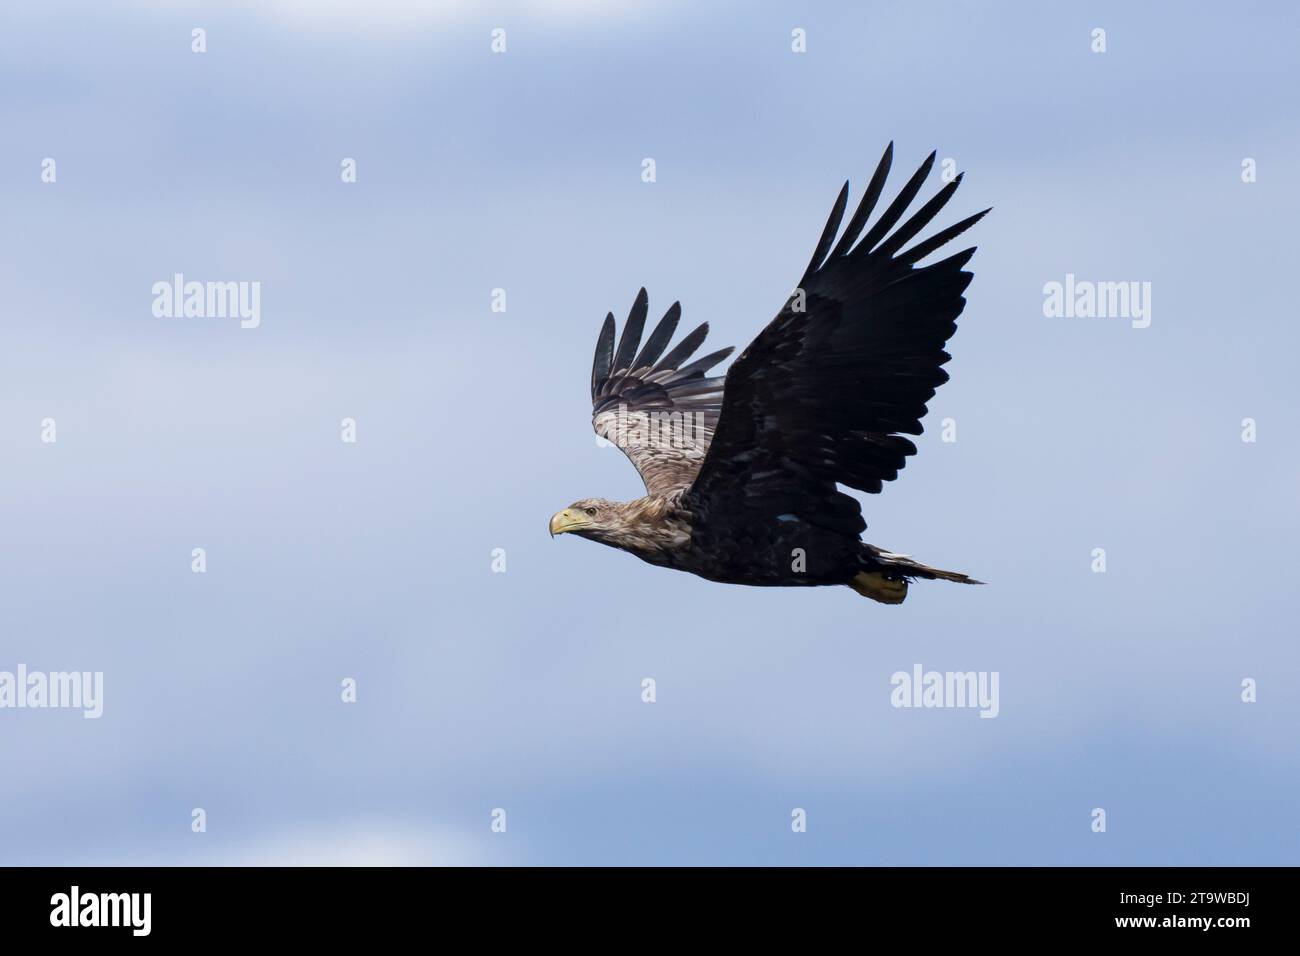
(522, 690)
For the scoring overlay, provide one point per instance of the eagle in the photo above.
(742, 473)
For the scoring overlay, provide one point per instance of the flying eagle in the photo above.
(741, 473)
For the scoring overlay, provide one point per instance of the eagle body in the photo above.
(744, 473)
(672, 531)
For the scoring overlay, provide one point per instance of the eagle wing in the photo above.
(659, 411)
(826, 392)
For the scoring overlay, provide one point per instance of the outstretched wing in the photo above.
(826, 392)
(661, 412)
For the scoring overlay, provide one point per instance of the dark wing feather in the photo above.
(631, 336)
(865, 206)
(682, 351)
(659, 338)
(824, 395)
(600, 365)
(659, 412)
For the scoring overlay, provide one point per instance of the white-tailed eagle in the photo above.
(741, 472)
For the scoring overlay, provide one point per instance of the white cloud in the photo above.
(363, 13)
(356, 843)
(387, 15)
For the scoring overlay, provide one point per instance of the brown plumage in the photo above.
(741, 473)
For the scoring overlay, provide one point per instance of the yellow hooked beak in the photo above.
(568, 520)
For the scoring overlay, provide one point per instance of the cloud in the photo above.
(373, 13)
(389, 15)
(354, 843)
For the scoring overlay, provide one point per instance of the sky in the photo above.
(521, 691)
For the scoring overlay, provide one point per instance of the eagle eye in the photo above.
(591, 511)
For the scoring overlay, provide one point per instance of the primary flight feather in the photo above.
(741, 473)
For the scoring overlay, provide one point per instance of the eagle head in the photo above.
(647, 526)
(590, 518)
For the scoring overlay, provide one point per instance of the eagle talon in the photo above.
(878, 587)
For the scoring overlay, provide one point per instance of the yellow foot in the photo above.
(876, 586)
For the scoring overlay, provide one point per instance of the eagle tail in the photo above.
(887, 575)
